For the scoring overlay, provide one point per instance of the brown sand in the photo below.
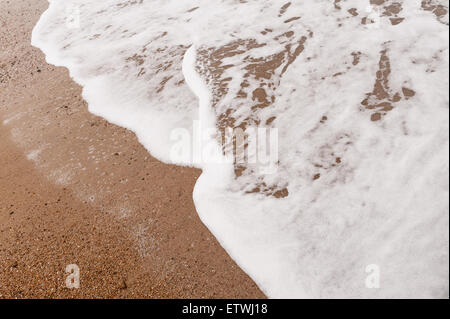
(75, 189)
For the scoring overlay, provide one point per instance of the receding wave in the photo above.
(355, 92)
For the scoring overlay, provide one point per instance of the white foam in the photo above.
(386, 203)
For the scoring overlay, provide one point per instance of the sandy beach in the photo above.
(75, 189)
(224, 149)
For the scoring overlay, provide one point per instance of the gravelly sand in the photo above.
(75, 189)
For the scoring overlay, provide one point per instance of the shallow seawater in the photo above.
(352, 97)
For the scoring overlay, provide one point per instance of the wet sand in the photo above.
(75, 189)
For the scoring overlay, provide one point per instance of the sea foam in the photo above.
(357, 91)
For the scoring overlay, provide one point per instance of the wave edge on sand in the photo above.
(351, 88)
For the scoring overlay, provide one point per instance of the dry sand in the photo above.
(75, 189)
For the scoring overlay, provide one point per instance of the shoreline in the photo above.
(84, 191)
